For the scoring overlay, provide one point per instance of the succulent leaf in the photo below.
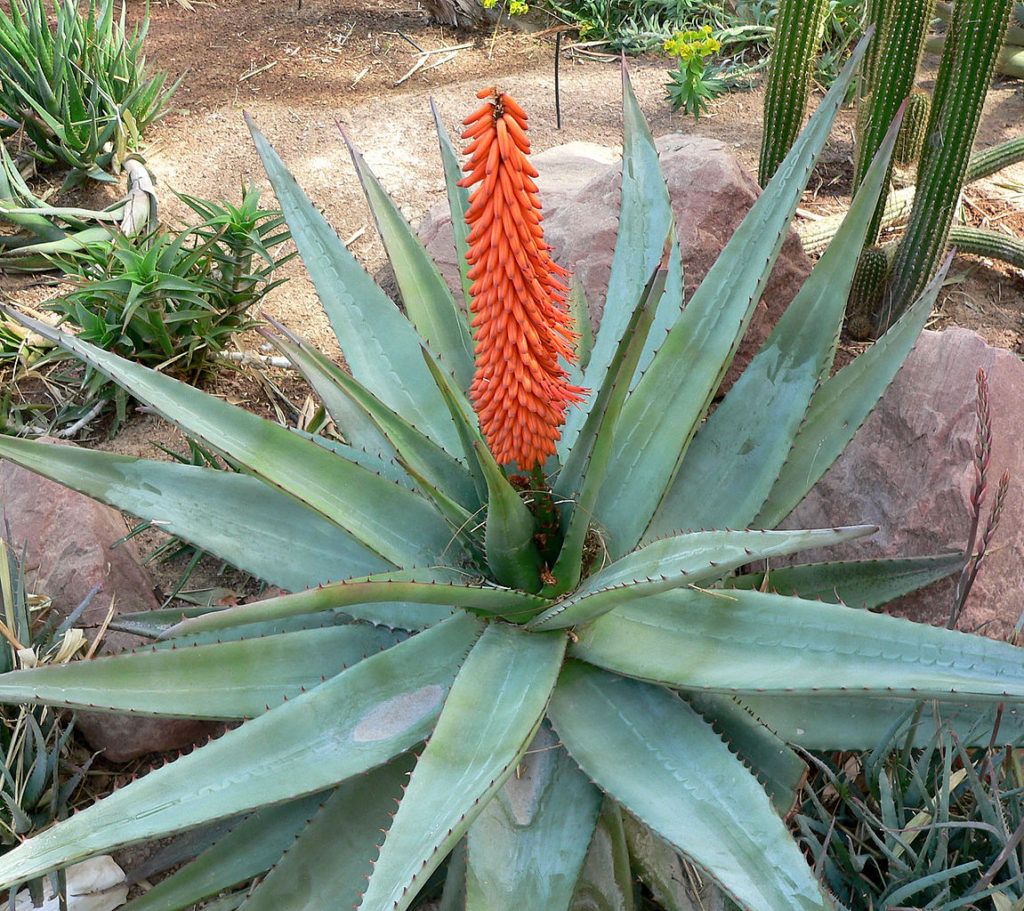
(285, 753)
(422, 456)
(391, 521)
(657, 757)
(856, 583)
(697, 558)
(668, 403)
(222, 680)
(438, 586)
(737, 441)
(606, 881)
(458, 201)
(527, 846)
(766, 642)
(381, 347)
(329, 863)
(427, 299)
(841, 405)
(235, 516)
(251, 848)
(488, 721)
(645, 219)
(851, 722)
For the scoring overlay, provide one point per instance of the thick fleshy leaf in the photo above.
(527, 845)
(355, 721)
(842, 404)
(606, 880)
(222, 680)
(443, 585)
(391, 521)
(327, 867)
(684, 560)
(458, 201)
(780, 771)
(645, 218)
(657, 757)
(852, 722)
(512, 553)
(488, 721)
(579, 482)
(736, 441)
(746, 641)
(240, 519)
(666, 407)
(429, 303)
(381, 347)
(856, 583)
(250, 849)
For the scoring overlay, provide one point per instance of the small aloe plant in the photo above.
(540, 666)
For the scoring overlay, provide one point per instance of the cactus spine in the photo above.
(798, 31)
(965, 72)
(900, 50)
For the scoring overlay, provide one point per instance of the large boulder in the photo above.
(910, 471)
(69, 541)
(580, 189)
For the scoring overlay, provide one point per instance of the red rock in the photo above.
(910, 471)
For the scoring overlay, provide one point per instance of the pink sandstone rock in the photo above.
(910, 471)
(69, 540)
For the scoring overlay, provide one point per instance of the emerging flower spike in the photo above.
(520, 320)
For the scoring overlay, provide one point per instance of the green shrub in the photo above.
(79, 88)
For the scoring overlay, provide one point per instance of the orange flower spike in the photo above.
(520, 321)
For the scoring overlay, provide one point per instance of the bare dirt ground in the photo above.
(304, 69)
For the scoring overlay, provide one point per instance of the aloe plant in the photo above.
(522, 659)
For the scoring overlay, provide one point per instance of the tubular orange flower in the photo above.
(520, 320)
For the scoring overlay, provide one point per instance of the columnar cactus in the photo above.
(869, 282)
(900, 49)
(798, 31)
(910, 141)
(974, 39)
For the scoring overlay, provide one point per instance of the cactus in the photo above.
(992, 244)
(910, 140)
(869, 282)
(900, 49)
(798, 30)
(965, 72)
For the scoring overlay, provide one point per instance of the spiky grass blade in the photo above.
(327, 867)
(527, 846)
(237, 517)
(429, 303)
(691, 560)
(391, 521)
(375, 710)
(488, 721)
(841, 405)
(222, 680)
(381, 347)
(668, 403)
(251, 848)
(656, 756)
(736, 441)
(856, 583)
(786, 643)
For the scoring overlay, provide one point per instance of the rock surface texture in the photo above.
(69, 542)
(910, 471)
(580, 187)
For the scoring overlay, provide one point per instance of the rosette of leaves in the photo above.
(430, 715)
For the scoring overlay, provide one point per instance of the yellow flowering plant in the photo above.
(692, 84)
